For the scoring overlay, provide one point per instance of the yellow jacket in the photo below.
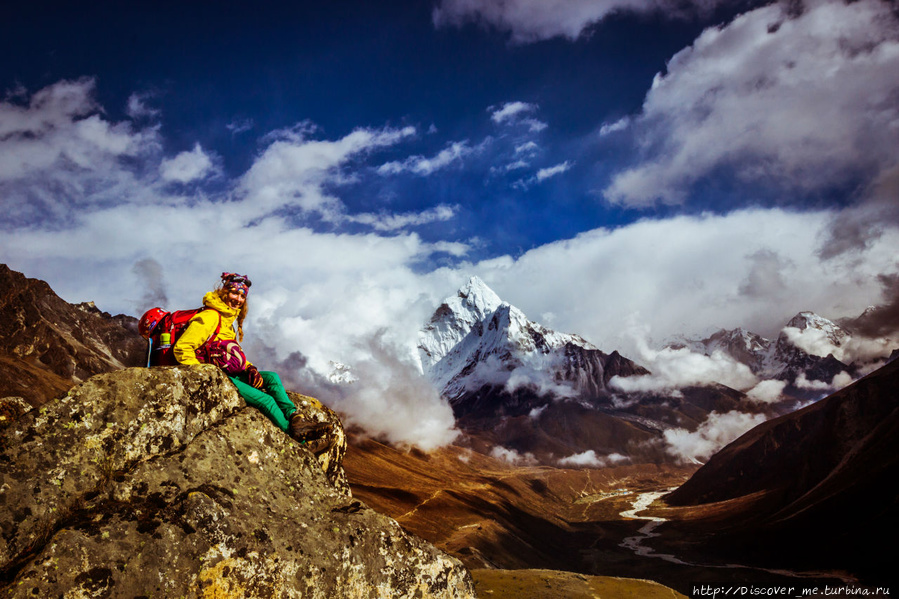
(202, 327)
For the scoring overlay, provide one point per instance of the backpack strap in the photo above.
(218, 328)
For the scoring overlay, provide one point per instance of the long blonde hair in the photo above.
(221, 291)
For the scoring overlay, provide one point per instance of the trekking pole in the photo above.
(149, 351)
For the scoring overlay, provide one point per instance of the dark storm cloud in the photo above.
(882, 320)
(150, 276)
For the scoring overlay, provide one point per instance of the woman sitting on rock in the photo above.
(210, 337)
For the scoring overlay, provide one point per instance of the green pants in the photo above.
(271, 400)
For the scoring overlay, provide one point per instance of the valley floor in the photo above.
(511, 525)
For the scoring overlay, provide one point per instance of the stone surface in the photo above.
(162, 483)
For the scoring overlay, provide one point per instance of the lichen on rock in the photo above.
(162, 482)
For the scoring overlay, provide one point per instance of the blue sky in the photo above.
(627, 169)
(227, 77)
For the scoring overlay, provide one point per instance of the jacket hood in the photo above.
(212, 300)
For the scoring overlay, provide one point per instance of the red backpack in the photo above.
(156, 322)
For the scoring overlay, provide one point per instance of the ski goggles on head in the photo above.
(236, 282)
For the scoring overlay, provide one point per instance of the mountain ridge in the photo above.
(474, 339)
(47, 345)
(526, 390)
(811, 487)
(806, 373)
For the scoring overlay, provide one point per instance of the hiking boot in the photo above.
(304, 430)
(318, 446)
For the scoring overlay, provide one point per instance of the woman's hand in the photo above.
(254, 378)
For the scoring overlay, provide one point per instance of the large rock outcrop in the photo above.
(161, 482)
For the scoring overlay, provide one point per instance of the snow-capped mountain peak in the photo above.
(475, 339)
(738, 340)
(476, 294)
(808, 346)
(453, 320)
(809, 322)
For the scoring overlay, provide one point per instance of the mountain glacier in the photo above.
(475, 340)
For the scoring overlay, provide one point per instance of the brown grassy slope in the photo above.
(551, 584)
(492, 514)
(21, 378)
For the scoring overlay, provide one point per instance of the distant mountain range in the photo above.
(505, 374)
(515, 386)
(475, 339)
(806, 374)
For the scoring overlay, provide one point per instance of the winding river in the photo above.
(635, 543)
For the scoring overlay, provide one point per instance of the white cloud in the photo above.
(683, 275)
(391, 400)
(552, 171)
(453, 154)
(770, 391)
(678, 368)
(60, 128)
(58, 155)
(591, 460)
(393, 222)
(536, 412)
(520, 158)
(803, 101)
(839, 381)
(511, 166)
(534, 20)
(534, 376)
(717, 431)
(239, 126)
(53, 106)
(186, 166)
(619, 125)
(527, 148)
(137, 107)
(513, 113)
(292, 169)
(815, 341)
(845, 347)
(513, 457)
(766, 276)
(542, 175)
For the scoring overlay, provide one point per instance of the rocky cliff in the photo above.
(47, 345)
(162, 483)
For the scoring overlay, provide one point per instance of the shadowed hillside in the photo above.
(815, 487)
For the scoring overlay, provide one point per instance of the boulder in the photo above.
(163, 483)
